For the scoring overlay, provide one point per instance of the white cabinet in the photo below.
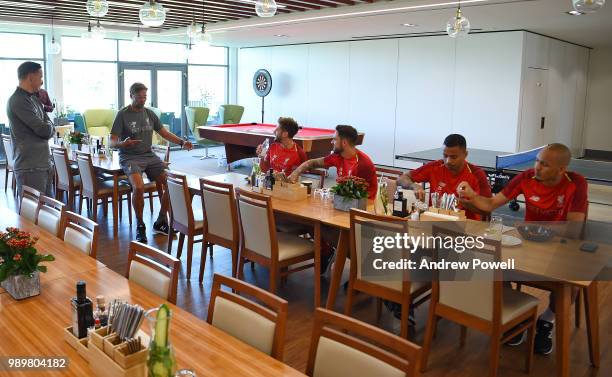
(536, 51)
(533, 110)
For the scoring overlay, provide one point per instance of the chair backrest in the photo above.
(475, 292)
(50, 215)
(389, 173)
(260, 324)
(156, 110)
(344, 346)
(62, 167)
(219, 204)
(99, 122)
(153, 269)
(315, 175)
(180, 200)
(162, 151)
(81, 233)
(7, 143)
(79, 123)
(88, 175)
(257, 226)
(196, 116)
(231, 114)
(29, 203)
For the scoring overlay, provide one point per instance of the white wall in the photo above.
(598, 130)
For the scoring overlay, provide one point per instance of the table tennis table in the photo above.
(503, 166)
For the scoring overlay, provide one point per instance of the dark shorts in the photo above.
(152, 165)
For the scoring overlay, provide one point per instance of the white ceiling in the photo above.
(541, 16)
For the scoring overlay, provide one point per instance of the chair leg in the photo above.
(129, 204)
(81, 198)
(106, 206)
(234, 261)
(462, 336)
(94, 208)
(379, 304)
(210, 246)
(241, 263)
(71, 200)
(6, 178)
(530, 344)
(189, 255)
(170, 239)
(179, 248)
(120, 204)
(203, 260)
(151, 202)
(404, 320)
(494, 353)
(429, 334)
(577, 310)
(350, 292)
(273, 278)
(14, 186)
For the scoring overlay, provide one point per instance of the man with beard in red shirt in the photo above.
(283, 155)
(445, 175)
(551, 194)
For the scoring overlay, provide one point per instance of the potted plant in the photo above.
(61, 117)
(20, 263)
(350, 192)
(76, 139)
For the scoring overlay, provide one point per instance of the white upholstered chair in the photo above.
(50, 215)
(7, 142)
(29, 203)
(154, 270)
(81, 233)
(65, 180)
(261, 323)
(344, 346)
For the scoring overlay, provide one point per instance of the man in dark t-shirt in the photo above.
(132, 133)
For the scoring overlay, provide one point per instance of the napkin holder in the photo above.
(80, 345)
(287, 191)
(440, 214)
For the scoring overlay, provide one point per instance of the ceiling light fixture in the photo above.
(152, 14)
(409, 25)
(88, 34)
(138, 38)
(98, 32)
(588, 6)
(54, 47)
(347, 14)
(458, 26)
(193, 29)
(574, 13)
(97, 8)
(203, 38)
(265, 8)
(281, 35)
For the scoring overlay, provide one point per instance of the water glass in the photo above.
(185, 373)
(496, 225)
(317, 195)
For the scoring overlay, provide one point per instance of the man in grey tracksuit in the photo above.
(31, 130)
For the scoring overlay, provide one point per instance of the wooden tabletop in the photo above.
(34, 326)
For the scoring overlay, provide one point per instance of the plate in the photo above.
(511, 240)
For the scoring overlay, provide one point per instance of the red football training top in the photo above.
(359, 166)
(282, 159)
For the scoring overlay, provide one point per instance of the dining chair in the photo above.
(401, 290)
(95, 189)
(478, 299)
(344, 346)
(7, 143)
(260, 323)
(389, 173)
(81, 232)
(29, 203)
(263, 244)
(154, 270)
(150, 187)
(219, 204)
(187, 222)
(50, 215)
(66, 181)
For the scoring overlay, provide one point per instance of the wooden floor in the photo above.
(447, 358)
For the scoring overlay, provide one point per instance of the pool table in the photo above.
(241, 139)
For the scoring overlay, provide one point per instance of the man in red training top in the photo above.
(551, 194)
(283, 155)
(445, 175)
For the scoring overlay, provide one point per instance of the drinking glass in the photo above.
(317, 195)
(185, 373)
(494, 231)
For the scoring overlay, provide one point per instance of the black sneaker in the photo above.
(141, 233)
(161, 227)
(396, 309)
(326, 262)
(543, 338)
(517, 339)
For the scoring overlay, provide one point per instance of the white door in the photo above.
(533, 116)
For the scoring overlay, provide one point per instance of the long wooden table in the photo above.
(553, 265)
(34, 326)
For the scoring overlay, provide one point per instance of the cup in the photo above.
(308, 185)
(318, 195)
(185, 373)
(494, 232)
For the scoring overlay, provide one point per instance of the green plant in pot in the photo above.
(76, 139)
(161, 361)
(350, 192)
(20, 263)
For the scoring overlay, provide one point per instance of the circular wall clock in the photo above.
(262, 82)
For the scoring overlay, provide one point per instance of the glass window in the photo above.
(208, 87)
(89, 85)
(27, 46)
(208, 55)
(153, 52)
(75, 48)
(9, 80)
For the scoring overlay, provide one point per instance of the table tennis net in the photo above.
(514, 159)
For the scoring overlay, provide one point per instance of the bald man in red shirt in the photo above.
(551, 194)
(445, 175)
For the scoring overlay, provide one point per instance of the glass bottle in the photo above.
(161, 361)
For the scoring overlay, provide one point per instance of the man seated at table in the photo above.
(552, 193)
(132, 133)
(445, 175)
(283, 155)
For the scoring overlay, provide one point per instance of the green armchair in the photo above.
(196, 117)
(99, 122)
(158, 140)
(231, 114)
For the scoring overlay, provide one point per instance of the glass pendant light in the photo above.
(203, 38)
(152, 14)
(98, 32)
(54, 47)
(88, 34)
(588, 6)
(193, 30)
(138, 38)
(458, 26)
(97, 8)
(265, 8)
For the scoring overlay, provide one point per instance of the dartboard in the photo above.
(262, 82)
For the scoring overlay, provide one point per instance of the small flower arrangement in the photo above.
(18, 256)
(351, 187)
(76, 137)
